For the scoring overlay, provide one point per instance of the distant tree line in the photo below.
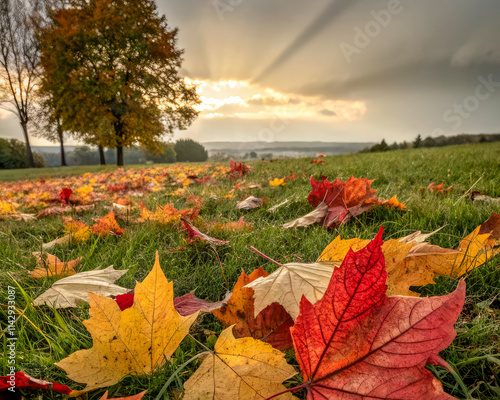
(13, 155)
(433, 142)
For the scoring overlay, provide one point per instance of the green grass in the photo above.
(47, 335)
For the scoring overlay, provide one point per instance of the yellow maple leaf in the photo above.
(240, 369)
(77, 231)
(416, 263)
(277, 182)
(6, 209)
(136, 341)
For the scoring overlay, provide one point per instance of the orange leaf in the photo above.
(107, 225)
(271, 325)
(49, 265)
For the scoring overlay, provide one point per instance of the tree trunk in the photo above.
(101, 155)
(119, 156)
(119, 147)
(31, 160)
(61, 140)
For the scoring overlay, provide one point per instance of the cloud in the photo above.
(327, 16)
(328, 113)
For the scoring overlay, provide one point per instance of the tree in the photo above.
(167, 155)
(189, 150)
(48, 123)
(19, 62)
(118, 63)
(13, 155)
(417, 142)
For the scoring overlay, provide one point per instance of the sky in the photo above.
(336, 70)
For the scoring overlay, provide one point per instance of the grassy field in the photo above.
(47, 336)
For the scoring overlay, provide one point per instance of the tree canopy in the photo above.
(112, 68)
(190, 150)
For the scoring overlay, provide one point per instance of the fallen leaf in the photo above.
(73, 290)
(475, 196)
(277, 182)
(238, 170)
(357, 343)
(167, 215)
(121, 209)
(59, 241)
(239, 369)
(410, 261)
(439, 188)
(57, 210)
(138, 396)
(185, 305)
(136, 341)
(346, 199)
(194, 233)
(107, 225)
(21, 380)
(249, 203)
(125, 301)
(393, 203)
(272, 325)
(64, 195)
(315, 216)
(289, 283)
(49, 265)
(238, 226)
(190, 304)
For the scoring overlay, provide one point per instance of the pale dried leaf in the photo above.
(73, 290)
(418, 236)
(317, 215)
(249, 203)
(289, 283)
(59, 241)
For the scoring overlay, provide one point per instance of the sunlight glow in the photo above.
(240, 99)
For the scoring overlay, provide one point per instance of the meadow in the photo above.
(46, 335)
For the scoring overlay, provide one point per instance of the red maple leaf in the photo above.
(65, 194)
(20, 380)
(357, 343)
(344, 199)
(238, 169)
(194, 233)
(125, 300)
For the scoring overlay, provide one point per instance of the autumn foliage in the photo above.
(353, 320)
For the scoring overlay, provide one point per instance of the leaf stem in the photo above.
(266, 257)
(221, 268)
